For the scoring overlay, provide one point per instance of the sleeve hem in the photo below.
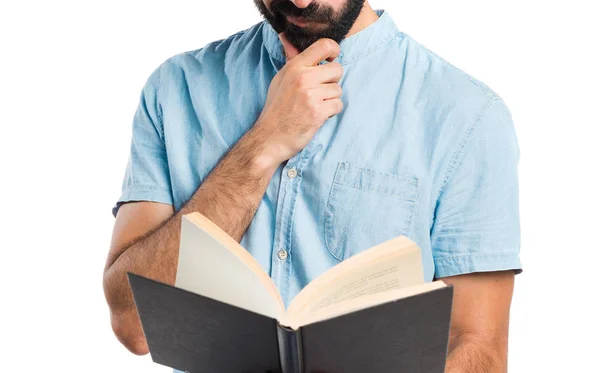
(152, 193)
(480, 262)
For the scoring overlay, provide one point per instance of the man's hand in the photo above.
(146, 235)
(301, 97)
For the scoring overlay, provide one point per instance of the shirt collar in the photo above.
(364, 42)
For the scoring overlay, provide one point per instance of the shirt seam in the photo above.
(149, 186)
(216, 43)
(462, 144)
(484, 89)
(475, 255)
(375, 48)
(157, 107)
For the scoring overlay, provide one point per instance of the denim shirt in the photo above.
(420, 149)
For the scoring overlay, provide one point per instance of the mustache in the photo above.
(313, 12)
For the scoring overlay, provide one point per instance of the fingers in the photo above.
(328, 73)
(332, 107)
(318, 81)
(329, 91)
(323, 74)
(322, 49)
(290, 50)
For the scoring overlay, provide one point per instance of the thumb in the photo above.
(290, 50)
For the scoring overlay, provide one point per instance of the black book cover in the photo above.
(197, 334)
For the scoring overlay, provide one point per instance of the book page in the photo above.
(381, 277)
(371, 300)
(392, 265)
(394, 273)
(214, 265)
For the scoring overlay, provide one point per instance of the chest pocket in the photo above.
(366, 207)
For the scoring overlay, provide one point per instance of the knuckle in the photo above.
(308, 94)
(300, 80)
(328, 44)
(314, 112)
(291, 67)
(338, 89)
(332, 45)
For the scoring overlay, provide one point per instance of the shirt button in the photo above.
(282, 254)
(292, 173)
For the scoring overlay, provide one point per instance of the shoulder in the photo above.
(456, 98)
(463, 116)
(214, 57)
(452, 79)
(459, 103)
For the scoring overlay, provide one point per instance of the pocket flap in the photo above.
(376, 181)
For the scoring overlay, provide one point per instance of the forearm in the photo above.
(229, 197)
(301, 97)
(231, 194)
(475, 356)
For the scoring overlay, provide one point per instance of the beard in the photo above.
(327, 22)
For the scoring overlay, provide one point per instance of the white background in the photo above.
(70, 78)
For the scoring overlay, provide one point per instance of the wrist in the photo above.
(261, 156)
(264, 163)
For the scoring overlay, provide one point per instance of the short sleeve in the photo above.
(476, 225)
(147, 172)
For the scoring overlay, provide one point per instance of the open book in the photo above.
(223, 303)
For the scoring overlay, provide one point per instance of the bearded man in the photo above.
(313, 135)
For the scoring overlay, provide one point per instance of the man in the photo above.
(314, 135)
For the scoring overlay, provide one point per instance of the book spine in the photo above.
(290, 349)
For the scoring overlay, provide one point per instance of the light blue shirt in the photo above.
(420, 149)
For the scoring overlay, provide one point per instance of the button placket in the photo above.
(290, 181)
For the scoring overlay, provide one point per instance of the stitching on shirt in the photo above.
(157, 107)
(352, 173)
(461, 146)
(474, 255)
(328, 214)
(409, 219)
(339, 249)
(216, 43)
(375, 173)
(146, 187)
(374, 48)
(485, 89)
(277, 243)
